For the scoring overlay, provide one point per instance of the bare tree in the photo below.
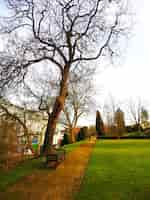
(78, 103)
(63, 33)
(138, 113)
(135, 108)
(110, 108)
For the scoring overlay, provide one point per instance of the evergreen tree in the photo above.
(99, 124)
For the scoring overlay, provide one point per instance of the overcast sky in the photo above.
(130, 79)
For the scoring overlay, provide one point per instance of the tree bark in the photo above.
(72, 135)
(57, 108)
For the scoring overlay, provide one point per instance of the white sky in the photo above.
(2, 8)
(131, 78)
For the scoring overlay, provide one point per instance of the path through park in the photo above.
(59, 184)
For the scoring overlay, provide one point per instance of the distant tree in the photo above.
(135, 111)
(119, 122)
(78, 103)
(99, 124)
(110, 107)
(144, 118)
(144, 115)
(138, 113)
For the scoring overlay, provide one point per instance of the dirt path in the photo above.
(59, 184)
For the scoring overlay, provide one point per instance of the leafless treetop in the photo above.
(63, 32)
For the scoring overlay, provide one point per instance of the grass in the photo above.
(71, 147)
(118, 170)
(35, 146)
(27, 168)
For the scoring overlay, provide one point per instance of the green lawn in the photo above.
(24, 169)
(71, 147)
(118, 170)
(27, 168)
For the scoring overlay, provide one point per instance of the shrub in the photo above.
(83, 133)
(65, 139)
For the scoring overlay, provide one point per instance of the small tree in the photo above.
(99, 124)
(110, 107)
(144, 118)
(78, 103)
(135, 112)
(144, 115)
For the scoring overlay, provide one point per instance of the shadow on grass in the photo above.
(28, 167)
(23, 169)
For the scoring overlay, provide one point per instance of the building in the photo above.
(35, 121)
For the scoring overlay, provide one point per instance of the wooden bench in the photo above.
(54, 159)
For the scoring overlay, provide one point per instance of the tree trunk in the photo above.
(54, 115)
(73, 135)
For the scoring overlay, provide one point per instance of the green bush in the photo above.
(82, 133)
(65, 140)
